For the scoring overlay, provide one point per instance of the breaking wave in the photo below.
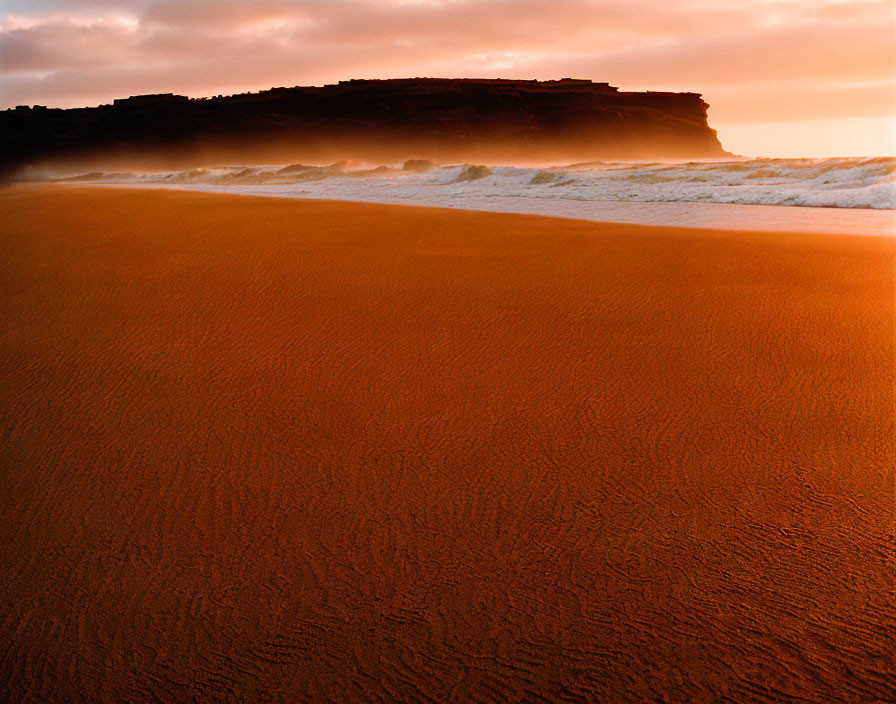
(829, 183)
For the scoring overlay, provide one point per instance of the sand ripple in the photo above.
(277, 451)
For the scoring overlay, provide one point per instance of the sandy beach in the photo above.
(262, 450)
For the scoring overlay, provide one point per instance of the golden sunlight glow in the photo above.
(864, 136)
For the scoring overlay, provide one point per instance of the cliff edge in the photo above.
(444, 120)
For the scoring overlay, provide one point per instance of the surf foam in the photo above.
(595, 191)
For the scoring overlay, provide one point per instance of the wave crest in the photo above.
(833, 183)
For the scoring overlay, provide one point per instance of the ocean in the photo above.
(839, 195)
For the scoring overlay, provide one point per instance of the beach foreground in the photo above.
(262, 450)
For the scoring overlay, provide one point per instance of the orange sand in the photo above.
(266, 450)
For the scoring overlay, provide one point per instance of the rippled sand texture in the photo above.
(260, 450)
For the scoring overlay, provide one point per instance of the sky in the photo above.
(783, 77)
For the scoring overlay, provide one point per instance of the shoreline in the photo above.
(852, 222)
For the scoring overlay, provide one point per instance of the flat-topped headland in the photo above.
(442, 119)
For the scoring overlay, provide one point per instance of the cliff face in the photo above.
(382, 120)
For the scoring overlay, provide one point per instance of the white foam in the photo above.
(846, 195)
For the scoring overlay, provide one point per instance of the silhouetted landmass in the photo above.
(383, 120)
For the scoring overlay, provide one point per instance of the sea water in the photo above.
(841, 195)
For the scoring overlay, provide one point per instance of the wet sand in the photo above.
(261, 450)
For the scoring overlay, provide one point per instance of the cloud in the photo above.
(228, 14)
(783, 54)
(806, 51)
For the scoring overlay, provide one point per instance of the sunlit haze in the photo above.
(783, 77)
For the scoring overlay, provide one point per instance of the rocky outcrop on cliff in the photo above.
(379, 120)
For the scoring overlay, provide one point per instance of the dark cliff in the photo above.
(381, 120)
